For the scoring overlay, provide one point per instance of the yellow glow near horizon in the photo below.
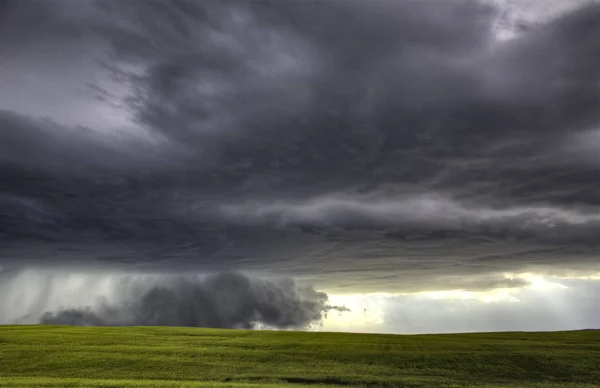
(538, 282)
(367, 310)
(496, 295)
(595, 276)
(535, 282)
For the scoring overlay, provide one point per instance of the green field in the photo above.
(58, 356)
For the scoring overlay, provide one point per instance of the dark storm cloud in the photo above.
(380, 95)
(39, 144)
(375, 142)
(226, 300)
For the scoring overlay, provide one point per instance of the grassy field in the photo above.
(58, 356)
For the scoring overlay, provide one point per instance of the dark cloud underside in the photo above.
(383, 143)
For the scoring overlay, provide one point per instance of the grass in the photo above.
(59, 356)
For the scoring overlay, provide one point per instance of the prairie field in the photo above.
(61, 356)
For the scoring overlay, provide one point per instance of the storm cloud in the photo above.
(375, 145)
(223, 300)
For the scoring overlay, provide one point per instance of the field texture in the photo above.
(58, 356)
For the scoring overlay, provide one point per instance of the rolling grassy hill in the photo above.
(59, 356)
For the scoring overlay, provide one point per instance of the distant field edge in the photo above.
(26, 382)
(210, 330)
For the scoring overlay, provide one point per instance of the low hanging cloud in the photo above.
(224, 300)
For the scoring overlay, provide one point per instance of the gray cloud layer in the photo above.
(341, 141)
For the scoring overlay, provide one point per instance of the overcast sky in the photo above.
(397, 154)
